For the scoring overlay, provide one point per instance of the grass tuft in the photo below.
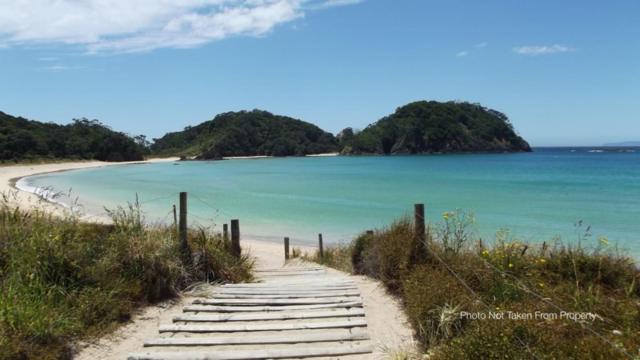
(62, 280)
(459, 274)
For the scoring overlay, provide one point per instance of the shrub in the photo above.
(62, 280)
(337, 256)
(459, 273)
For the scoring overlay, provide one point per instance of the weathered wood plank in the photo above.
(298, 282)
(281, 315)
(225, 309)
(276, 286)
(348, 323)
(289, 270)
(305, 274)
(283, 296)
(258, 340)
(307, 301)
(280, 291)
(256, 354)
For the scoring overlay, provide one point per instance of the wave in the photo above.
(47, 194)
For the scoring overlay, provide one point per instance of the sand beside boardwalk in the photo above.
(387, 324)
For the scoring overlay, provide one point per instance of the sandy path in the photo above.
(387, 324)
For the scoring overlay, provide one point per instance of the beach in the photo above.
(10, 174)
(536, 196)
(387, 324)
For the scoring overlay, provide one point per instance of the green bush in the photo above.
(457, 273)
(62, 280)
(337, 257)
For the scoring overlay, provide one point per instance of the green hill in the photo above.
(22, 139)
(436, 127)
(247, 133)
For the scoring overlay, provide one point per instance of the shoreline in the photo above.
(388, 325)
(22, 198)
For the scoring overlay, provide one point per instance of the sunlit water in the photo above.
(537, 196)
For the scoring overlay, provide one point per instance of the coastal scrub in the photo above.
(469, 300)
(62, 280)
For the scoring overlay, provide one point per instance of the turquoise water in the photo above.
(537, 195)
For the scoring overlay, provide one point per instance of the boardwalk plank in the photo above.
(307, 301)
(256, 354)
(225, 309)
(281, 315)
(349, 323)
(282, 296)
(258, 340)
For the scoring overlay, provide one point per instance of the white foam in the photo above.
(45, 193)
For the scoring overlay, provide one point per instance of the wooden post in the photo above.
(235, 237)
(320, 247)
(225, 231)
(418, 222)
(175, 218)
(419, 252)
(182, 226)
(286, 248)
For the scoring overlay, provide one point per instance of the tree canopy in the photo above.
(246, 133)
(22, 139)
(436, 127)
(418, 127)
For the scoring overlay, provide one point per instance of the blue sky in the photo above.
(565, 72)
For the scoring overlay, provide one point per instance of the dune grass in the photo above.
(62, 280)
(455, 274)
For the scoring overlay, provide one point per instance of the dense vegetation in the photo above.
(62, 280)
(25, 140)
(453, 272)
(435, 127)
(419, 127)
(246, 133)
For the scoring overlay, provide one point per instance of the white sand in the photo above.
(387, 324)
(10, 174)
(323, 154)
(246, 157)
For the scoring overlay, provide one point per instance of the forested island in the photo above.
(436, 127)
(415, 128)
(247, 133)
(83, 139)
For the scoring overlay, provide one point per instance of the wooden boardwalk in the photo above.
(290, 312)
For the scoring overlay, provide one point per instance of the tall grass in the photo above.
(458, 273)
(62, 280)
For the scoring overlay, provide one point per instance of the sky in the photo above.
(565, 72)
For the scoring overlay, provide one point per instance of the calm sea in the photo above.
(537, 196)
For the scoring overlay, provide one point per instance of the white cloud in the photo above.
(143, 25)
(462, 54)
(481, 45)
(542, 49)
(332, 3)
(56, 68)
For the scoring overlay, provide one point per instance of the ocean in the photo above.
(552, 193)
